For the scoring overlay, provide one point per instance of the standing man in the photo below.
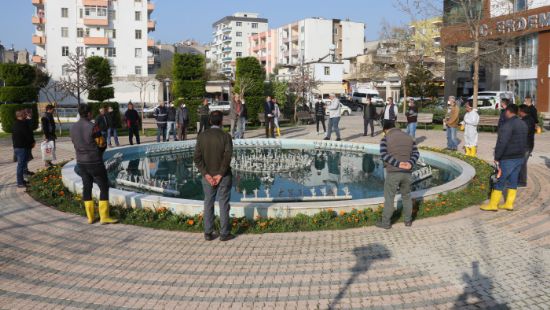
(133, 123)
(504, 102)
(161, 117)
(112, 131)
(531, 130)
(102, 122)
(532, 110)
(412, 118)
(204, 115)
(171, 122)
(399, 153)
(509, 157)
(234, 111)
(334, 110)
(23, 143)
(89, 146)
(269, 118)
(320, 112)
(451, 121)
(471, 120)
(48, 128)
(213, 153)
(241, 122)
(276, 116)
(390, 112)
(182, 121)
(369, 115)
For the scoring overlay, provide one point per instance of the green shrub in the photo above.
(101, 94)
(18, 94)
(95, 106)
(250, 72)
(7, 115)
(254, 105)
(189, 67)
(98, 73)
(189, 89)
(17, 75)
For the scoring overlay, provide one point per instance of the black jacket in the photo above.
(534, 113)
(102, 121)
(269, 108)
(204, 110)
(501, 118)
(531, 130)
(244, 111)
(171, 114)
(369, 111)
(512, 140)
(132, 118)
(320, 108)
(48, 126)
(161, 115)
(22, 136)
(412, 114)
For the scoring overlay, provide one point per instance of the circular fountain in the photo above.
(271, 178)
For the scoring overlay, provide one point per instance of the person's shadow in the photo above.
(476, 280)
(546, 161)
(364, 256)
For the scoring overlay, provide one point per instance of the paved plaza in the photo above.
(469, 259)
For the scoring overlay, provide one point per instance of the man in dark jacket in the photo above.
(213, 154)
(269, 108)
(102, 122)
(48, 128)
(23, 143)
(531, 109)
(204, 115)
(133, 123)
(509, 156)
(399, 153)
(88, 144)
(171, 122)
(161, 117)
(112, 131)
(531, 130)
(412, 118)
(504, 103)
(320, 112)
(369, 115)
(182, 121)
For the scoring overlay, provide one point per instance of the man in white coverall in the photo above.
(471, 121)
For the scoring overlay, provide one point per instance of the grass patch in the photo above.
(47, 188)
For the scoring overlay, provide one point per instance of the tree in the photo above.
(188, 81)
(280, 92)
(249, 83)
(142, 83)
(420, 82)
(19, 83)
(74, 82)
(98, 76)
(302, 83)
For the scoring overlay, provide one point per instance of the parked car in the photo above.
(223, 106)
(486, 103)
(354, 106)
(496, 96)
(344, 111)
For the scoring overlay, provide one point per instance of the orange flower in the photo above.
(329, 210)
(162, 210)
(342, 213)
(263, 224)
(61, 193)
(190, 222)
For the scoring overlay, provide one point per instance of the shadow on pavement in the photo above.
(546, 161)
(478, 287)
(364, 256)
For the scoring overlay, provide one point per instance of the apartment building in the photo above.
(116, 29)
(264, 46)
(524, 25)
(231, 39)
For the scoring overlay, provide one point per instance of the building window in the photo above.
(64, 32)
(89, 11)
(81, 13)
(239, 54)
(111, 33)
(102, 12)
(138, 34)
(137, 52)
(239, 44)
(65, 70)
(138, 16)
(302, 29)
(520, 5)
(239, 34)
(327, 70)
(110, 52)
(79, 32)
(64, 51)
(80, 51)
(112, 14)
(138, 70)
(239, 24)
(254, 25)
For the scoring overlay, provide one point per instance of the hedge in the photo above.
(254, 105)
(101, 94)
(7, 115)
(17, 75)
(18, 94)
(95, 106)
(189, 89)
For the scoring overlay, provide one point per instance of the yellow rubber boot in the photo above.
(493, 203)
(104, 213)
(278, 131)
(90, 211)
(473, 151)
(510, 199)
(468, 151)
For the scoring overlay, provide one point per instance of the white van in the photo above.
(361, 95)
(496, 96)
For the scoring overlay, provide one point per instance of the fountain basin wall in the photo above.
(465, 173)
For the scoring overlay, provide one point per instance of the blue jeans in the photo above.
(333, 126)
(22, 161)
(452, 141)
(510, 174)
(241, 128)
(411, 129)
(161, 132)
(111, 132)
(171, 128)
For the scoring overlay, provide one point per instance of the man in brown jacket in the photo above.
(213, 154)
(451, 120)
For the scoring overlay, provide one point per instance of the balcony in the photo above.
(227, 70)
(38, 2)
(150, 6)
(38, 40)
(227, 59)
(96, 22)
(103, 3)
(38, 60)
(150, 42)
(227, 49)
(227, 39)
(226, 30)
(151, 25)
(38, 20)
(151, 60)
(96, 41)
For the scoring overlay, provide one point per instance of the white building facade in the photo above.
(117, 30)
(231, 39)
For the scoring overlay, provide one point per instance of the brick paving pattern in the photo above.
(469, 259)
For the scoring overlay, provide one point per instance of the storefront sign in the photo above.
(519, 24)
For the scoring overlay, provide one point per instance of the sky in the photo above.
(185, 19)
